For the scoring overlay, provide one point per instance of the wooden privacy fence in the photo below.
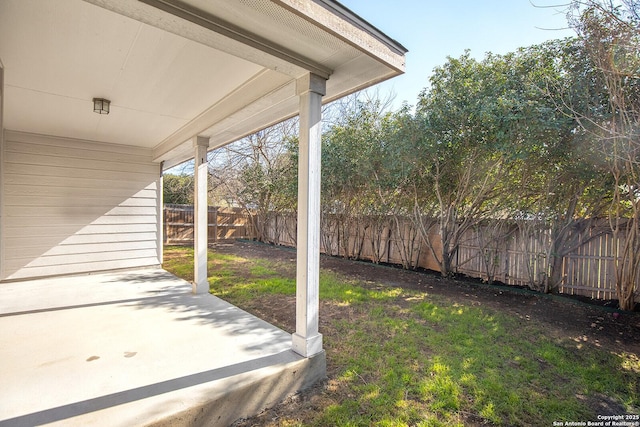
(495, 251)
(502, 251)
(223, 223)
(524, 253)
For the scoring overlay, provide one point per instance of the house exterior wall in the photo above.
(1, 165)
(73, 206)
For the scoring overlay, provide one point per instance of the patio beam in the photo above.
(307, 341)
(200, 221)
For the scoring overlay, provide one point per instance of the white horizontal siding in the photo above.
(82, 198)
(28, 160)
(65, 232)
(34, 240)
(80, 258)
(70, 250)
(70, 149)
(22, 181)
(62, 269)
(75, 206)
(77, 211)
(74, 172)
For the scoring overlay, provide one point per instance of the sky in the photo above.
(433, 29)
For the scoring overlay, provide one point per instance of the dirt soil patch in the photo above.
(562, 317)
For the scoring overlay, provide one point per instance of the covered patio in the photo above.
(97, 99)
(137, 348)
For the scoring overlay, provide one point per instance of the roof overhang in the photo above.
(176, 69)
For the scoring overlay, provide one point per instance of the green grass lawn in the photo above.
(401, 357)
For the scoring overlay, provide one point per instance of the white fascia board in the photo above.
(349, 27)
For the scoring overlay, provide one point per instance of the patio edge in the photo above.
(250, 399)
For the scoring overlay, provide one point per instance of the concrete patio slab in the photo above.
(137, 348)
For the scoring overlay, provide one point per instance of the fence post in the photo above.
(165, 227)
(215, 224)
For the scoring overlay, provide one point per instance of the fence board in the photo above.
(223, 223)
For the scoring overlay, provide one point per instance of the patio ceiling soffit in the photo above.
(194, 24)
(269, 96)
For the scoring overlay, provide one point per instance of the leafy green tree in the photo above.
(560, 178)
(353, 163)
(499, 140)
(459, 156)
(177, 189)
(610, 34)
(365, 180)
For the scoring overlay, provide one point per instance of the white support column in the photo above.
(160, 230)
(2, 251)
(200, 224)
(307, 341)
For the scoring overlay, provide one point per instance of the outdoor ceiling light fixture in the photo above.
(101, 105)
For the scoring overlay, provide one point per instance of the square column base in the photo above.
(306, 347)
(200, 288)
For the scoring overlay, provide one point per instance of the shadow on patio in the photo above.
(137, 348)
